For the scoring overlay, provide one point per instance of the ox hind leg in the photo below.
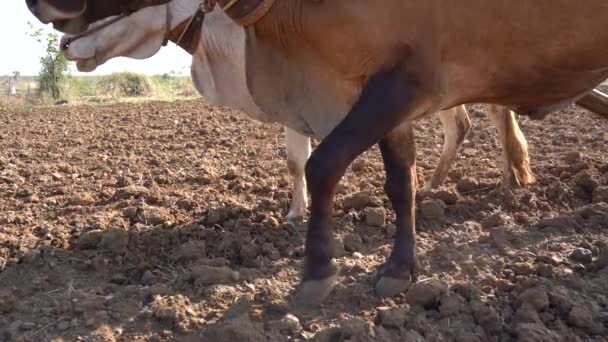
(456, 125)
(387, 100)
(516, 165)
(298, 151)
(398, 151)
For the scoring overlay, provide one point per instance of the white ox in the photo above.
(218, 73)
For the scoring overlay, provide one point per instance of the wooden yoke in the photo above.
(596, 102)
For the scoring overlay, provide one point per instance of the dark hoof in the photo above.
(313, 292)
(389, 287)
(387, 284)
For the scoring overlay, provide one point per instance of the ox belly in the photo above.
(300, 92)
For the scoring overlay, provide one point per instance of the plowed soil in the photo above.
(164, 222)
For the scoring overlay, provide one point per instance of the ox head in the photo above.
(138, 36)
(75, 16)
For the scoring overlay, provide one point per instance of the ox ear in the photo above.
(68, 6)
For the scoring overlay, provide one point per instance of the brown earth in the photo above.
(164, 221)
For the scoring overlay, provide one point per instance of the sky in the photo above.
(22, 53)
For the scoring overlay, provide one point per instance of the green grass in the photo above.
(117, 87)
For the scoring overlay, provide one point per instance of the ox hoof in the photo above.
(294, 216)
(389, 287)
(313, 292)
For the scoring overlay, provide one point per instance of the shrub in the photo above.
(126, 84)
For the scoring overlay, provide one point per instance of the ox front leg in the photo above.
(399, 154)
(298, 151)
(389, 98)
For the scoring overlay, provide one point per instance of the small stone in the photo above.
(115, 240)
(352, 243)
(426, 293)
(432, 209)
(536, 296)
(392, 317)
(358, 201)
(375, 216)
(357, 256)
(582, 255)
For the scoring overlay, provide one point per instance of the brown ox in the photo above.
(369, 68)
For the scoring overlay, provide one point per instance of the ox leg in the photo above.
(388, 99)
(516, 170)
(298, 151)
(456, 125)
(399, 154)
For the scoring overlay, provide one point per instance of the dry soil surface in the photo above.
(164, 222)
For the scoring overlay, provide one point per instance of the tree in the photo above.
(16, 75)
(53, 65)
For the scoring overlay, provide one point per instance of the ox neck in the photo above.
(246, 12)
(185, 20)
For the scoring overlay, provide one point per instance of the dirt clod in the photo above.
(536, 296)
(150, 221)
(426, 293)
(582, 255)
(210, 275)
(432, 209)
(115, 240)
(375, 216)
(467, 184)
(352, 243)
(358, 201)
(392, 317)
